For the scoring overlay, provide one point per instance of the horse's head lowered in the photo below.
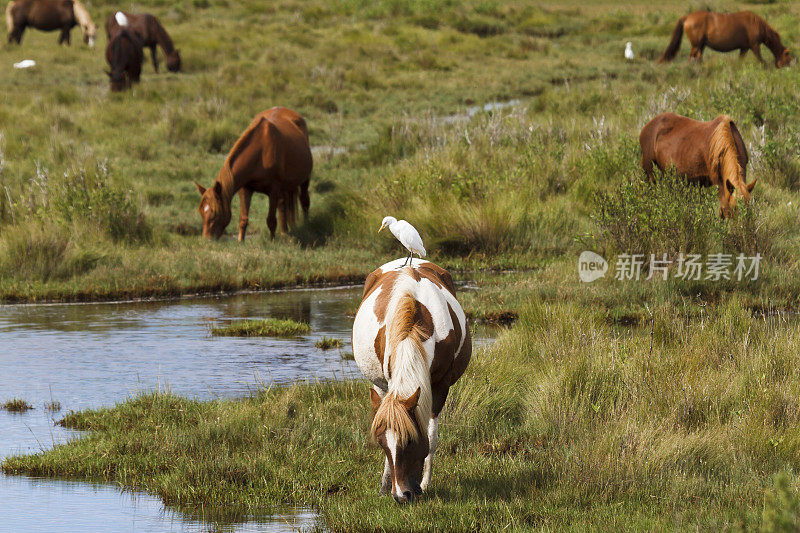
(784, 59)
(174, 61)
(216, 214)
(397, 430)
(119, 79)
(728, 210)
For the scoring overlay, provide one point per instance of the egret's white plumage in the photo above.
(629, 51)
(25, 63)
(406, 234)
(122, 20)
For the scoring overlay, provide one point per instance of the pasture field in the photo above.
(616, 404)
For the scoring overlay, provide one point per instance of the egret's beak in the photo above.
(382, 226)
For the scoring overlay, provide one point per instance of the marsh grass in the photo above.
(266, 327)
(17, 405)
(113, 215)
(567, 420)
(326, 343)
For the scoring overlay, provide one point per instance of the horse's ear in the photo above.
(751, 185)
(412, 400)
(218, 188)
(375, 398)
(200, 188)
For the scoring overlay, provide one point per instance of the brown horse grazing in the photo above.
(49, 15)
(124, 54)
(710, 153)
(725, 32)
(152, 34)
(272, 157)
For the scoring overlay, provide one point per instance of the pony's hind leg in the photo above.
(272, 219)
(305, 201)
(696, 53)
(64, 37)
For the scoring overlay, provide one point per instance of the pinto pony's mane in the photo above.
(84, 20)
(725, 157)
(407, 366)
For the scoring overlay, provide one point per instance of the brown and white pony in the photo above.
(152, 34)
(411, 340)
(49, 15)
(124, 56)
(272, 157)
(710, 153)
(725, 32)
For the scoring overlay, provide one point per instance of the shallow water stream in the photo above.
(92, 355)
(98, 354)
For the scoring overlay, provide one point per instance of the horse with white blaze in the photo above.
(411, 340)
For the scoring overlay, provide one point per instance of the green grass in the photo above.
(567, 421)
(16, 405)
(266, 327)
(98, 200)
(326, 343)
(612, 405)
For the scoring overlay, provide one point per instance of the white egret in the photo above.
(122, 20)
(629, 51)
(407, 235)
(25, 63)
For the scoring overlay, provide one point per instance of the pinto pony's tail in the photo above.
(724, 157)
(675, 43)
(407, 365)
(10, 17)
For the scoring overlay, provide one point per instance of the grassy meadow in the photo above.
(611, 405)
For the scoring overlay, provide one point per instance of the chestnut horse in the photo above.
(152, 34)
(124, 54)
(725, 32)
(49, 15)
(411, 340)
(272, 157)
(709, 153)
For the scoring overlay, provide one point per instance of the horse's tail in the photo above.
(724, 157)
(10, 17)
(675, 43)
(289, 205)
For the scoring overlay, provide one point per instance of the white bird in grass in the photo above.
(407, 235)
(629, 51)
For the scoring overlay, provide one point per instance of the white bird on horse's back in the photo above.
(407, 235)
(122, 20)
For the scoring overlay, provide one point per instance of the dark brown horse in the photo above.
(49, 15)
(124, 54)
(725, 32)
(709, 153)
(272, 157)
(152, 34)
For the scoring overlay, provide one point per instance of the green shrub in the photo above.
(666, 215)
(781, 507)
